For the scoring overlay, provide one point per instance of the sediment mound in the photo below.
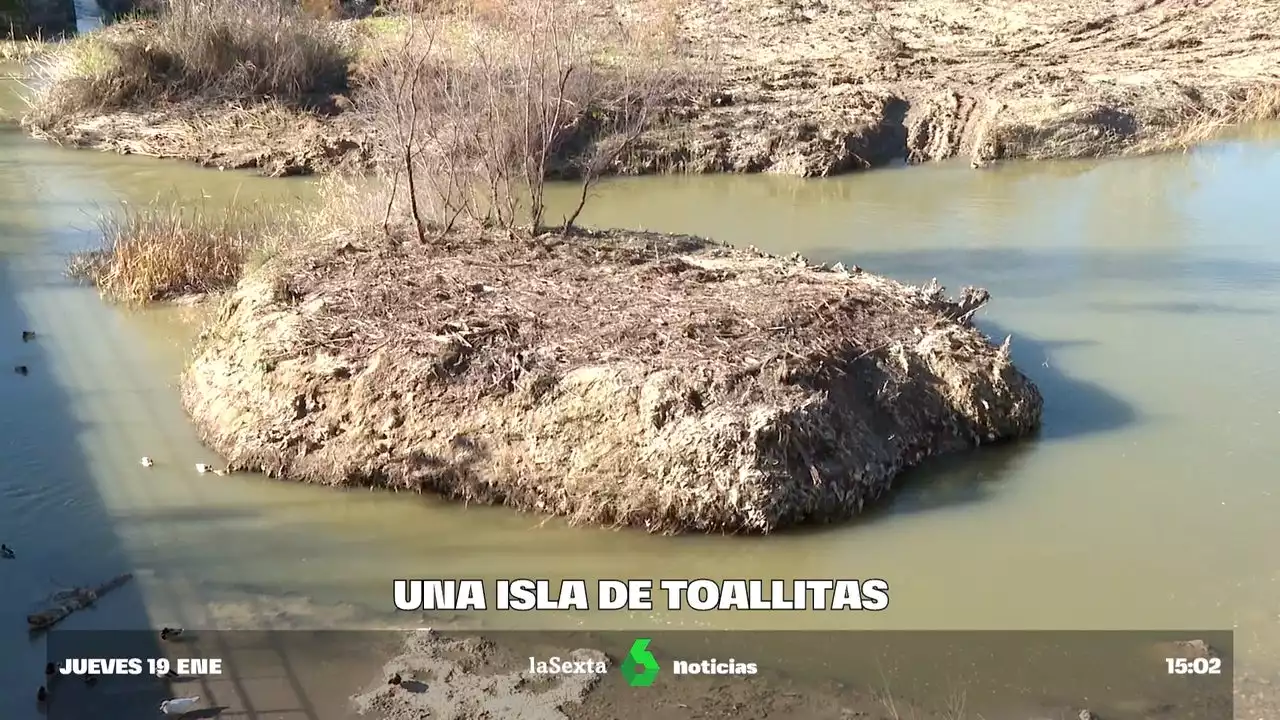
(612, 377)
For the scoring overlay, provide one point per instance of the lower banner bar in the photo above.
(399, 675)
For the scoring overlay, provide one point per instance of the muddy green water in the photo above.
(1142, 295)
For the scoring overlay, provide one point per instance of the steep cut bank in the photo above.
(616, 378)
(825, 86)
(817, 87)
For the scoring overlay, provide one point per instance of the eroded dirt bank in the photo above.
(615, 378)
(826, 86)
(814, 87)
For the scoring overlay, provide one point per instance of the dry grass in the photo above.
(1259, 103)
(217, 50)
(165, 250)
(24, 50)
(1180, 120)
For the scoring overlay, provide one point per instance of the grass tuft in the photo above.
(23, 50)
(167, 250)
(217, 50)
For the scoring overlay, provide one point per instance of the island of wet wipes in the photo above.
(525, 595)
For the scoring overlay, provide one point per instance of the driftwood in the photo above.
(69, 601)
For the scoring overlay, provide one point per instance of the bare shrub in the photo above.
(165, 250)
(215, 49)
(480, 106)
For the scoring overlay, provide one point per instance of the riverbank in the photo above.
(815, 89)
(234, 89)
(615, 378)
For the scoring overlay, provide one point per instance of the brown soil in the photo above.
(825, 86)
(817, 87)
(633, 379)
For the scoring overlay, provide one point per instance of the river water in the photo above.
(1142, 296)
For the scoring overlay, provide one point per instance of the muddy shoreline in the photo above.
(821, 88)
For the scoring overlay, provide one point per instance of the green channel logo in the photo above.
(640, 668)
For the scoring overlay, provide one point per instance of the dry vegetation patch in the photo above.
(616, 378)
(214, 50)
(229, 83)
(163, 251)
(23, 50)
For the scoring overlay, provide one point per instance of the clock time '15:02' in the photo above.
(1198, 666)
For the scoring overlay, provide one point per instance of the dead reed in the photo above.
(23, 50)
(216, 50)
(165, 250)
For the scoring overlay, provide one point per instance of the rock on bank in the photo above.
(613, 377)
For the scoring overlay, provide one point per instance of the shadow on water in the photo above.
(59, 507)
(66, 542)
(1072, 408)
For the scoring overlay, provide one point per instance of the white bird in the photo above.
(179, 706)
(146, 461)
(202, 468)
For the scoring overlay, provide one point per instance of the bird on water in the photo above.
(49, 672)
(170, 633)
(42, 694)
(21, 369)
(146, 461)
(6, 552)
(28, 335)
